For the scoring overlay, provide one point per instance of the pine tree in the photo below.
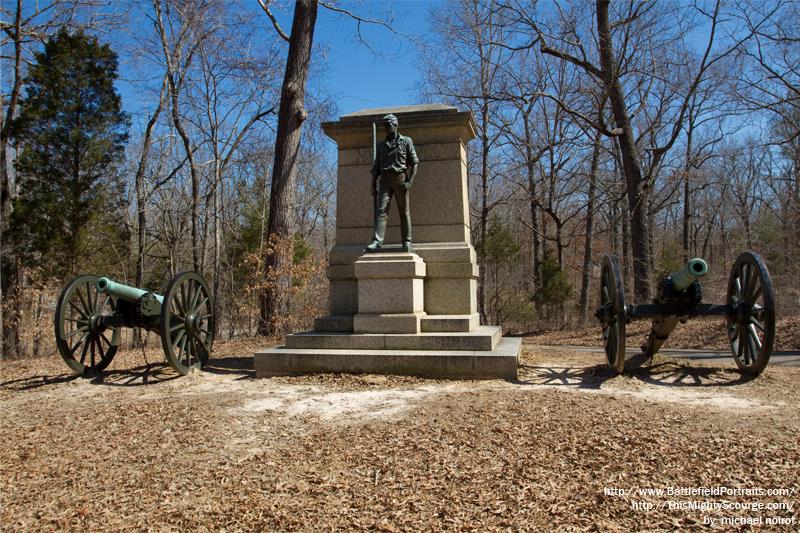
(72, 133)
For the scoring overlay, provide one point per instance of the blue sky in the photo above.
(358, 77)
(355, 76)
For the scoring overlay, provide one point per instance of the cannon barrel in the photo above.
(694, 269)
(122, 291)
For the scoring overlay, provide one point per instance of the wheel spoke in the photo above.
(179, 325)
(757, 324)
(193, 351)
(184, 299)
(183, 347)
(86, 309)
(103, 336)
(752, 283)
(201, 304)
(754, 336)
(91, 341)
(96, 298)
(745, 341)
(752, 349)
(82, 313)
(178, 307)
(757, 294)
(739, 345)
(83, 353)
(195, 296)
(181, 334)
(99, 309)
(75, 347)
(74, 331)
(745, 277)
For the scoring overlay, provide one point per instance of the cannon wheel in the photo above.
(82, 340)
(751, 325)
(612, 297)
(187, 322)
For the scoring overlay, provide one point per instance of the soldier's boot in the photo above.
(374, 245)
(407, 246)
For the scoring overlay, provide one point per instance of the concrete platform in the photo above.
(501, 362)
(483, 338)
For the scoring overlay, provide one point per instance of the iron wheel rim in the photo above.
(82, 340)
(187, 322)
(751, 324)
(612, 296)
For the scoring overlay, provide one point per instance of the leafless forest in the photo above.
(654, 130)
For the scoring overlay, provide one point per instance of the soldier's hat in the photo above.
(390, 118)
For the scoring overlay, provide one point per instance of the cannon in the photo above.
(749, 310)
(92, 310)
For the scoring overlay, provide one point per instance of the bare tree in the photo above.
(291, 115)
(466, 69)
(619, 41)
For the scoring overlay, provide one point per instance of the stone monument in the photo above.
(395, 309)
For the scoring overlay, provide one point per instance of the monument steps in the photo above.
(499, 363)
(484, 338)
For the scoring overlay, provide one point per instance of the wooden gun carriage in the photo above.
(749, 310)
(91, 312)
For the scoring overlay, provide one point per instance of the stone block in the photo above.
(390, 296)
(334, 323)
(343, 297)
(387, 323)
(341, 272)
(446, 252)
(391, 265)
(450, 323)
(452, 270)
(445, 296)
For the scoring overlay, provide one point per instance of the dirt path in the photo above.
(566, 446)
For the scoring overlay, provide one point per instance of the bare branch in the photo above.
(265, 6)
(359, 19)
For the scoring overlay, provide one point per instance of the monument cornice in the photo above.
(440, 121)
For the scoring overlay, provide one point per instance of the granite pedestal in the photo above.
(394, 311)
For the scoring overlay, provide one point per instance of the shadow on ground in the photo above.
(666, 373)
(236, 366)
(35, 382)
(147, 374)
(138, 376)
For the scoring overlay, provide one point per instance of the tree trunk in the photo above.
(534, 201)
(687, 200)
(9, 328)
(588, 242)
(635, 184)
(626, 246)
(141, 200)
(141, 193)
(484, 220)
(217, 234)
(291, 115)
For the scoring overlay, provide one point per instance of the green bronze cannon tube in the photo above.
(123, 292)
(694, 269)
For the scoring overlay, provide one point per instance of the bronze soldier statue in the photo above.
(393, 174)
